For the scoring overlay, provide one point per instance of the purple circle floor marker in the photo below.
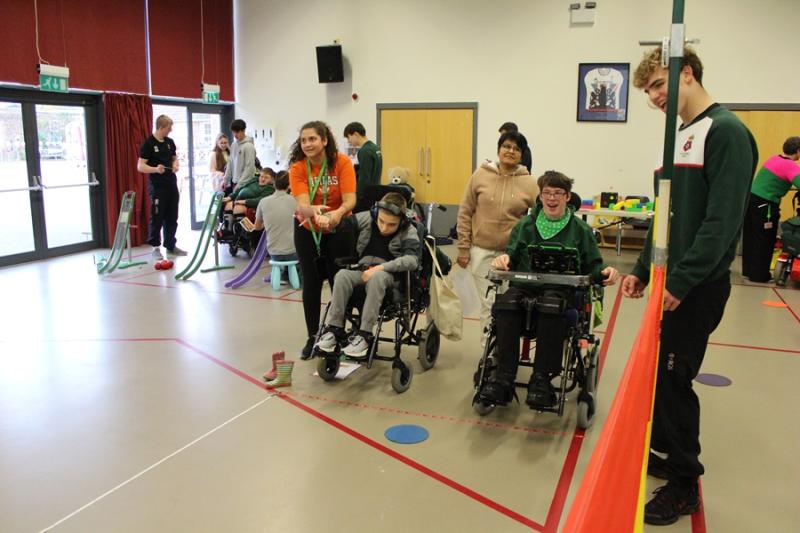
(713, 380)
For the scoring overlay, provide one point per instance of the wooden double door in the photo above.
(435, 145)
(771, 129)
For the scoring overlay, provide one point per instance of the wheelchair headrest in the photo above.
(374, 193)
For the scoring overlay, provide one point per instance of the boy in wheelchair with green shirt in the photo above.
(552, 225)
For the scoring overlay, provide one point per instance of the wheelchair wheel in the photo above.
(428, 346)
(232, 249)
(401, 378)
(481, 408)
(327, 367)
(586, 412)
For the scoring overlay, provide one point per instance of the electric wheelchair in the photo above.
(231, 232)
(555, 288)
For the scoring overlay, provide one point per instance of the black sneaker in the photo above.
(540, 392)
(308, 349)
(657, 467)
(671, 502)
(497, 392)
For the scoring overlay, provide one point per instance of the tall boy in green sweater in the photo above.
(715, 157)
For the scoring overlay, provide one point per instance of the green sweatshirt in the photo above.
(370, 165)
(715, 158)
(576, 234)
(252, 193)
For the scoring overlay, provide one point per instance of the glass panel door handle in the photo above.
(35, 188)
(93, 183)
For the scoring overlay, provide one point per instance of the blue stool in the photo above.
(277, 268)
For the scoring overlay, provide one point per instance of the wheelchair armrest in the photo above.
(348, 263)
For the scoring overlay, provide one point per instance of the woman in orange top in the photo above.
(323, 181)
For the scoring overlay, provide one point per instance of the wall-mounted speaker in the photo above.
(329, 64)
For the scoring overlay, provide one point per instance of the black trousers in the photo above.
(316, 268)
(164, 200)
(512, 321)
(676, 413)
(758, 238)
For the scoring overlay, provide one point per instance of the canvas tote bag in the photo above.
(445, 307)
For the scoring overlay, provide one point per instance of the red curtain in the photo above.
(128, 119)
(176, 68)
(101, 41)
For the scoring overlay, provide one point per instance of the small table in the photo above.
(623, 216)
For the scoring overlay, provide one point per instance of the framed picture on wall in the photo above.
(603, 92)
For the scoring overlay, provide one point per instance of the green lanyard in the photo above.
(313, 187)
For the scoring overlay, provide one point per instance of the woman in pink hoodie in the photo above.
(497, 196)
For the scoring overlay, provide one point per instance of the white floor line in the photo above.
(173, 454)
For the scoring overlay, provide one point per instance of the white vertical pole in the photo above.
(661, 221)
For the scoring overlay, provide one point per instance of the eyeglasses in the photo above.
(553, 194)
(511, 148)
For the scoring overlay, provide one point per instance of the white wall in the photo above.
(517, 58)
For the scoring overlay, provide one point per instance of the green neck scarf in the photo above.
(549, 228)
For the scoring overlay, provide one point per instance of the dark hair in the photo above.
(267, 170)
(652, 60)
(282, 181)
(508, 126)
(238, 125)
(396, 199)
(514, 136)
(791, 146)
(324, 132)
(554, 178)
(355, 127)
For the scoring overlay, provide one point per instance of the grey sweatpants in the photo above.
(343, 285)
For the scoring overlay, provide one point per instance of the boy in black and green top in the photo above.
(252, 193)
(551, 221)
(715, 157)
(370, 162)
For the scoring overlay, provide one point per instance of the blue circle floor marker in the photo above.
(406, 434)
(713, 380)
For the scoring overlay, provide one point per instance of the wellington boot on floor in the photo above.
(284, 377)
(272, 374)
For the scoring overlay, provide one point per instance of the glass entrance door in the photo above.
(16, 185)
(205, 128)
(194, 129)
(47, 177)
(64, 174)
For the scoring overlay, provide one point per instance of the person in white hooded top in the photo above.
(241, 167)
(497, 195)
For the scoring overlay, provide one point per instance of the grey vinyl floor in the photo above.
(133, 402)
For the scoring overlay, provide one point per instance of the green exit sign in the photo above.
(54, 84)
(210, 93)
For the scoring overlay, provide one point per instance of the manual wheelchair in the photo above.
(555, 288)
(405, 303)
